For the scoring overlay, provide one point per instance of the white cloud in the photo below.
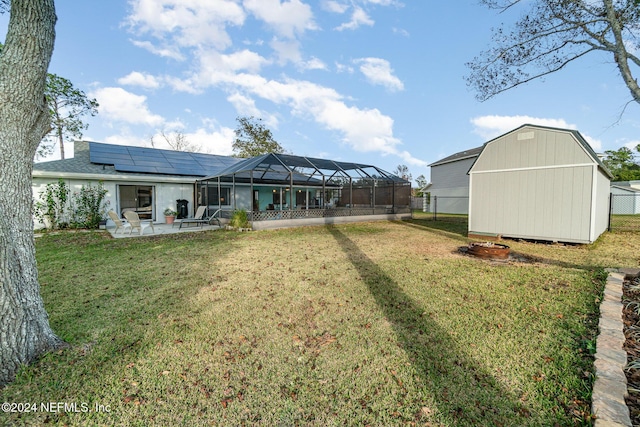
(218, 141)
(358, 18)
(120, 105)
(401, 32)
(165, 52)
(335, 6)
(489, 127)
(246, 106)
(144, 80)
(378, 72)
(343, 68)
(213, 142)
(312, 64)
(286, 51)
(632, 144)
(189, 22)
(287, 18)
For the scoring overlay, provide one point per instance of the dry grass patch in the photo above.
(374, 323)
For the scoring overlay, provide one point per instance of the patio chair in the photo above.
(200, 218)
(120, 223)
(134, 220)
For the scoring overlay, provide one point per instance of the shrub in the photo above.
(89, 206)
(240, 219)
(52, 208)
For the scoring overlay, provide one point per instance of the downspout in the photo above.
(219, 203)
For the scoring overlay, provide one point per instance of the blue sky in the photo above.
(374, 81)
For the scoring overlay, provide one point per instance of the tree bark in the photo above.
(25, 333)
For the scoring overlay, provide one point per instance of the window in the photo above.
(210, 196)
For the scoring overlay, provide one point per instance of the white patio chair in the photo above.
(120, 223)
(134, 220)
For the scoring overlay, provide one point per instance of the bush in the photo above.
(52, 208)
(90, 206)
(240, 219)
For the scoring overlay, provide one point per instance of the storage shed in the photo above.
(539, 183)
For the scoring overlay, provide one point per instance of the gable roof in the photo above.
(577, 135)
(462, 155)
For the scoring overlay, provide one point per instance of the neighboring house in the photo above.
(539, 183)
(625, 198)
(449, 185)
(149, 180)
(631, 184)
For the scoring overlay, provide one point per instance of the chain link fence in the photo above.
(441, 208)
(624, 212)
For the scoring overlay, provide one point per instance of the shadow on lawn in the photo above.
(463, 389)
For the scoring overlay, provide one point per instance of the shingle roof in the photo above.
(462, 155)
(204, 164)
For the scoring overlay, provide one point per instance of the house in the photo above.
(625, 198)
(539, 183)
(148, 180)
(449, 185)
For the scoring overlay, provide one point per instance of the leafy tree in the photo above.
(67, 105)
(421, 182)
(621, 164)
(253, 139)
(177, 141)
(551, 35)
(403, 172)
(25, 332)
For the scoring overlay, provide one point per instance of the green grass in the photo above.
(373, 323)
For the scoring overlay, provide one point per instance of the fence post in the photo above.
(610, 210)
(435, 208)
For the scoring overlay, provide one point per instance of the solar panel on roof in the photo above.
(135, 168)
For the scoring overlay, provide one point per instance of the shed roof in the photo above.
(578, 137)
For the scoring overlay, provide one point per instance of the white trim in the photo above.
(535, 168)
(594, 194)
(101, 177)
(470, 199)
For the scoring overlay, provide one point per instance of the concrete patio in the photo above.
(161, 229)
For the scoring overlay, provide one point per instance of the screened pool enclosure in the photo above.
(286, 187)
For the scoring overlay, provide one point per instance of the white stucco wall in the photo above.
(165, 193)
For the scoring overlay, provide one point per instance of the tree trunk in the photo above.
(25, 333)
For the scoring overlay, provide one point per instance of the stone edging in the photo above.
(610, 387)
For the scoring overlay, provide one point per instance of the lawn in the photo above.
(365, 324)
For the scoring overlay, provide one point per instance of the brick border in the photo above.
(610, 387)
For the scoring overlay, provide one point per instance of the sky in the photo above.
(378, 82)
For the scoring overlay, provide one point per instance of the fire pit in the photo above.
(488, 250)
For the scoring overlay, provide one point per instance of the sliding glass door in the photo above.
(138, 198)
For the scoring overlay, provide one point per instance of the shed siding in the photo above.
(602, 203)
(546, 204)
